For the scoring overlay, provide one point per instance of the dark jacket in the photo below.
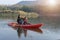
(20, 20)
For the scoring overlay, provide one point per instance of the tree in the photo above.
(26, 9)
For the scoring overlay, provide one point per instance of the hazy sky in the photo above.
(10, 2)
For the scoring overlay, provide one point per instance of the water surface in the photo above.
(47, 32)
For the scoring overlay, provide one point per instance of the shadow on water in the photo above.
(24, 30)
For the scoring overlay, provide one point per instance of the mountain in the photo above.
(23, 3)
(27, 3)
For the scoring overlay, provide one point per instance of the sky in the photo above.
(11, 2)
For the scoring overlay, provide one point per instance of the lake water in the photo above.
(47, 32)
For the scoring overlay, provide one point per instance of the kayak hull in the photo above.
(13, 24)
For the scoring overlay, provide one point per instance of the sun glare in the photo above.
(51, 2)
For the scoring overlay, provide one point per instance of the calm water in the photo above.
(47, 32)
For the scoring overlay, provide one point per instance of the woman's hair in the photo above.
(18, 16)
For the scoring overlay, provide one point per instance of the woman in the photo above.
(20, 20)
(25, 20)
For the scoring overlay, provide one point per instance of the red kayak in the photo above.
(14, 24)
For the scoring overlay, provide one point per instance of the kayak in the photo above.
(14, 24)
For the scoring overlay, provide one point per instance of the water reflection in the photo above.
(24, 30)
(19, 32)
